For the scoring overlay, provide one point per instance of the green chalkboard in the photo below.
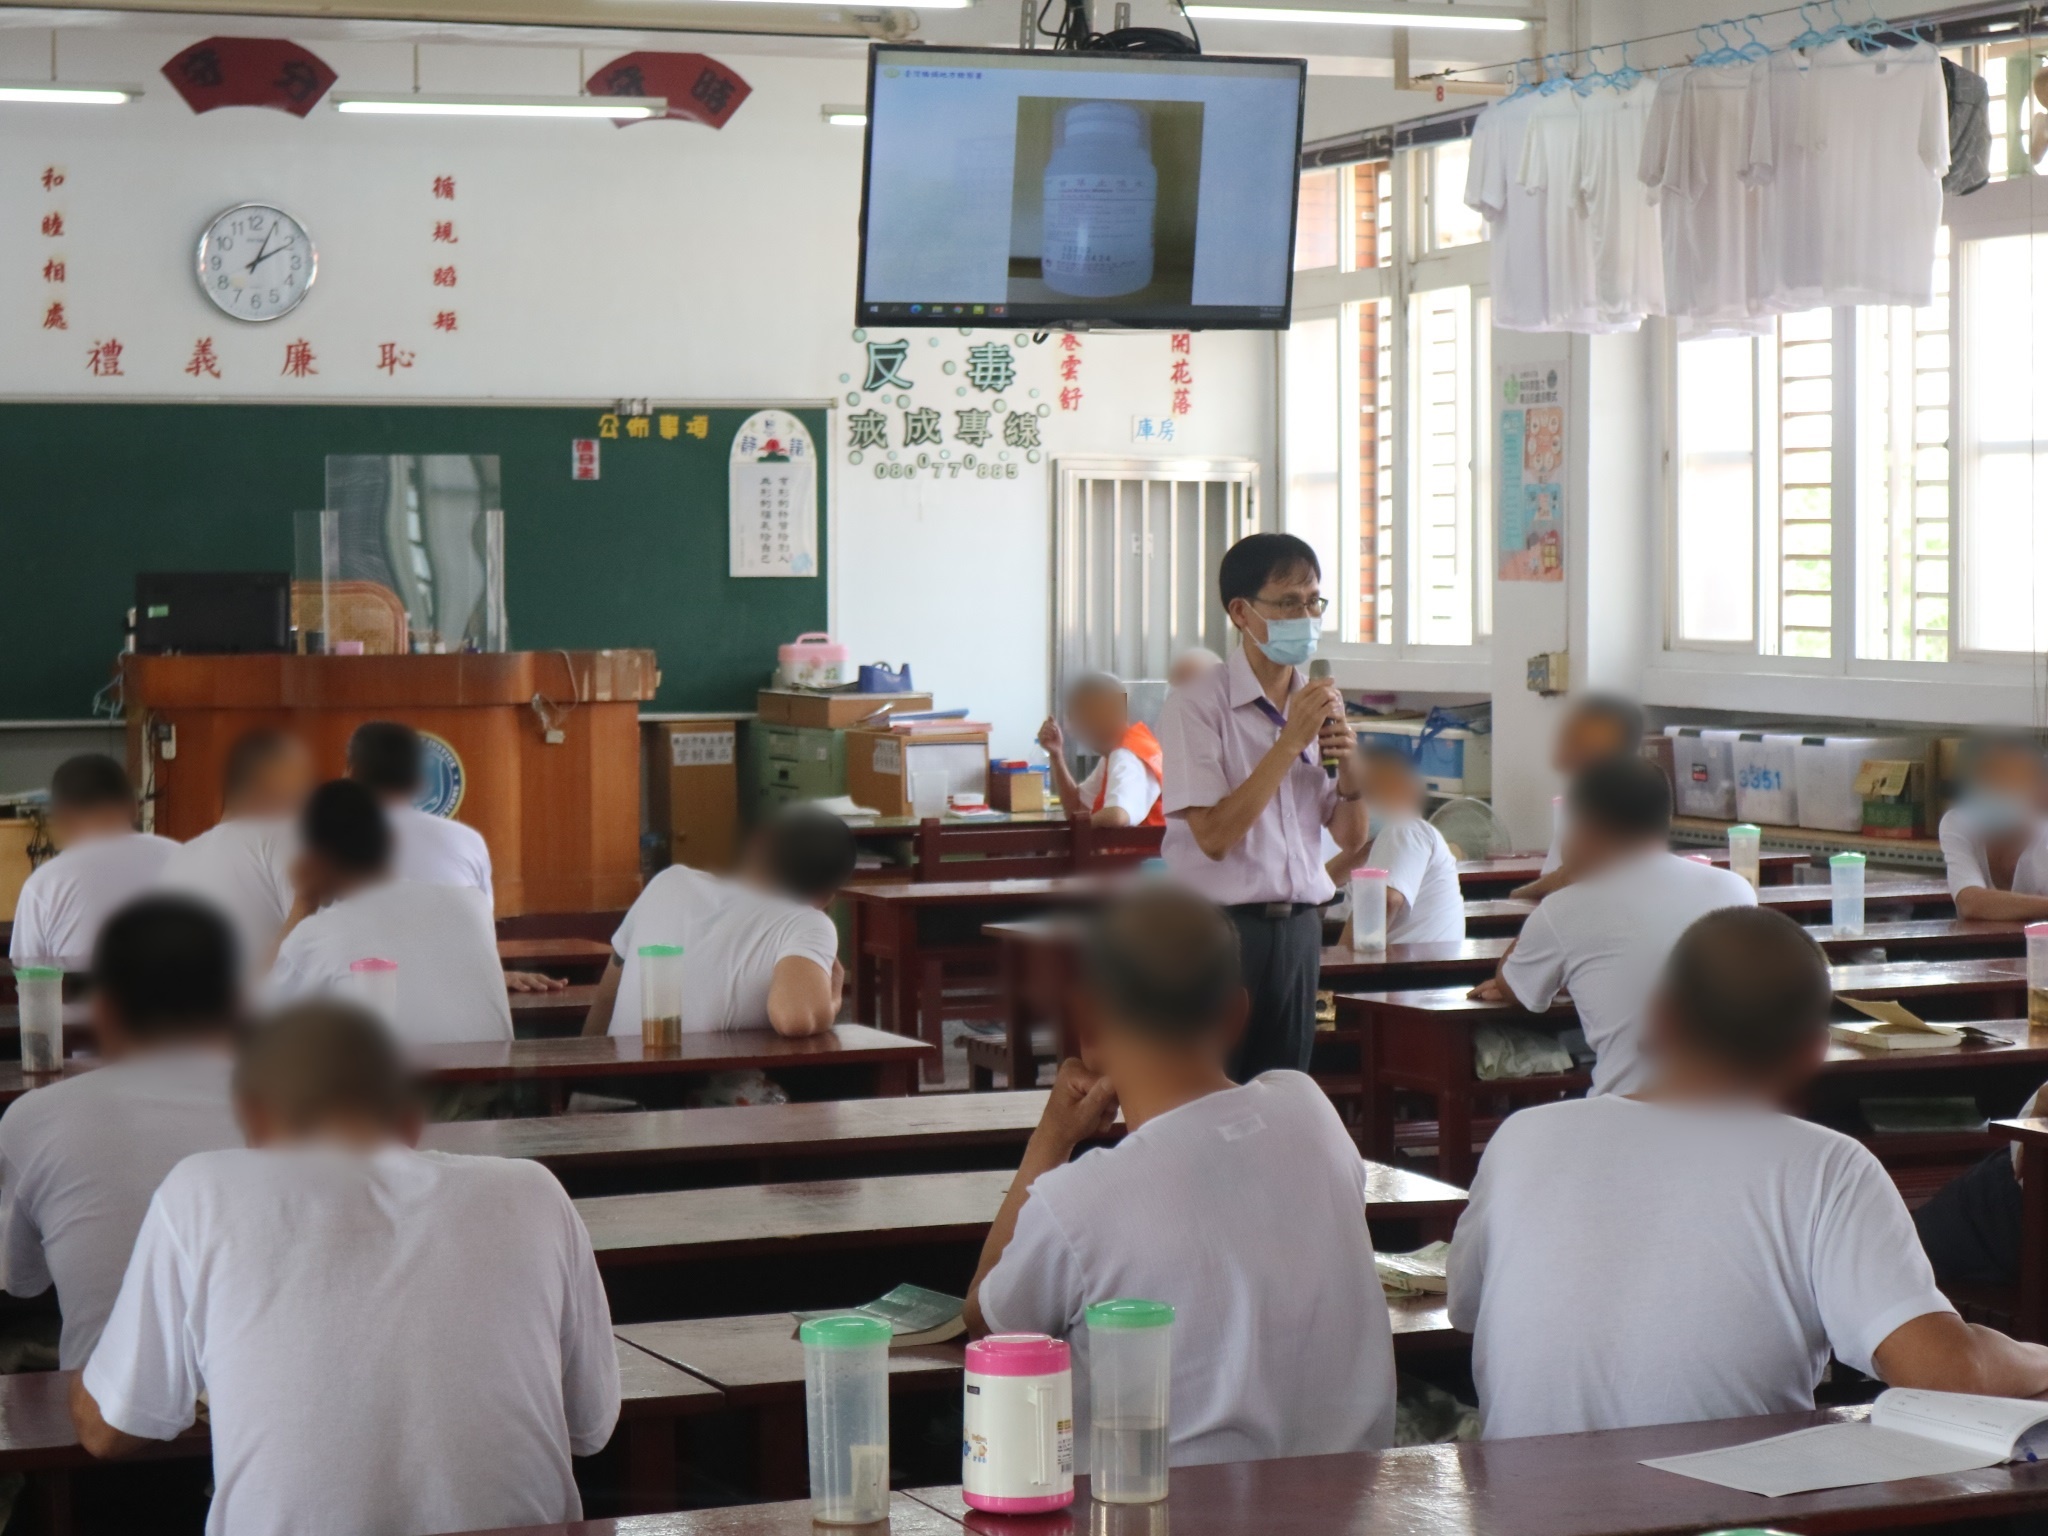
(90, 494)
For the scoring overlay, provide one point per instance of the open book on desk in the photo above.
(1910, 1433)
(914, 1315)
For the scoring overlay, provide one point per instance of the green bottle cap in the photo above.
(1746, 829)
(1129, 1312)
(39, 972)
(849, 1332)
(659, 951)
(1847, 859)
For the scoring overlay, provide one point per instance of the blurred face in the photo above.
(1392, 790)
(280, 786)
(1099, 717)
(2010, 776)
(81, 824)
(1585, 739)
(1186, 669)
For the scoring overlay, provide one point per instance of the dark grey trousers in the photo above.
(1282, 958)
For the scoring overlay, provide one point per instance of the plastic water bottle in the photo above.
(41, 991)
(661, 996)
(846, 1413)
(1746, 853)
(375, 984)
(1845, 886)
(1130, 1380)
(1368, 910)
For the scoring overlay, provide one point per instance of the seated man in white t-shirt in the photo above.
(79, 1159)
(1603, 938)
(1122, 790)
(1995, 842)
(387, 759)
(759, 950)
(1242, 1207)
(387, 1339)
(1690, 1252)
(105, 864)
(1596, 726)
(1424, 902)
(243, 865)
(350, 906)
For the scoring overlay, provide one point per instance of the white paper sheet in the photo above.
(1827, 1456)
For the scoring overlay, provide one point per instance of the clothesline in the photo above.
(2024, 16)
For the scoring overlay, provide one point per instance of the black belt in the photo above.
(1273, 911)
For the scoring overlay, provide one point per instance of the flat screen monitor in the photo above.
(217, 613)
(1059, 189)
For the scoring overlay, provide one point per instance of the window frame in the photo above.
(1977, 686)
(1339, 292)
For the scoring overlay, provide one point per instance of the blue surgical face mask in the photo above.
(1996, 813)
(1291, 642)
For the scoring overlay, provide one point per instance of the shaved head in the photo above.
(1749, 988)
(1164, 963)
(320, 1062)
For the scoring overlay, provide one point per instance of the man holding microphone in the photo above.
(1247, 793)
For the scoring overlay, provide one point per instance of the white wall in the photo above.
(662, 260)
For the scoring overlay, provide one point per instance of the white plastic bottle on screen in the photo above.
(1100, 192)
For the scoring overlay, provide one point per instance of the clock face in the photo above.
(256, 263)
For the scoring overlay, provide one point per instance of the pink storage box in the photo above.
(813, 660)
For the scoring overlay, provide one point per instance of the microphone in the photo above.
(1319, 672)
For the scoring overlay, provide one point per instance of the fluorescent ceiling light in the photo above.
(70, 95)
(845, 117)
(603, 108)
(1450, 20)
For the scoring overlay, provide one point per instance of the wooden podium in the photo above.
(562, 819)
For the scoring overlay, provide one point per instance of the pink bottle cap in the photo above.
(2036, 930)
(1370, 874)
(373, 964)
(1018, 1354)
(1697, 858)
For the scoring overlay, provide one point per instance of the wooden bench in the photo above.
(840, 1242)
(1420, 1041)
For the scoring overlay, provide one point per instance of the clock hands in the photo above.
(266, 252)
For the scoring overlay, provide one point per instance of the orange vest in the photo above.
(1144, 746)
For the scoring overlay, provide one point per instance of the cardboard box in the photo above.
(693, 790)
(1894, 794)
(835, 711)
(880, 765)
(1018, 787)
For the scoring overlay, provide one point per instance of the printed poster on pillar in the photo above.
(1529, 400)
(774, 497)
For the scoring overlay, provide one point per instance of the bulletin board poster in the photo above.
(774, 497)
(1530, 399)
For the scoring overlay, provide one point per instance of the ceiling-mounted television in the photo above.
(1071, 189)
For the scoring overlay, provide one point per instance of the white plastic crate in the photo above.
(1703, 770)
(1826, 771)
(1766, 779)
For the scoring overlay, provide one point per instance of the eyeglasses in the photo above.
(1294, 607)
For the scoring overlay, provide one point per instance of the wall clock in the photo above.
(256, 262)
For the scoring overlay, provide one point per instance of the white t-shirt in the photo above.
(1553, 153)
(1245, 1211)
(1698, 155)
(733, 936)
(1624, 1263)
(1130, 786)
(451, 984)
(1621, 221)
(79, 1161)
(1962, 847)
(1419, 865)
(1515, 216)
(243, 867)
(438, 850)
(400, 1341)
(1604, 939)
(64, 903)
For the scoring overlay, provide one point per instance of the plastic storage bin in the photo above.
(813, 660)
(1703, 771)
(1826, 770)
(1455, 761)
(1766, 779)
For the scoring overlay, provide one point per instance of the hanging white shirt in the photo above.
(438, 850)
(1420, 865)
(451, 984)
(1516, 237)
(733, 937)
(1627, 271)
(1245, 1211)
(1131, 788)
(1969, 861)
(396, 1341)
(242, 868)
(1698, 153)
(1622, 1263)
(1551, 167)
(1604, 939)
(67, 900)
(79, 1161)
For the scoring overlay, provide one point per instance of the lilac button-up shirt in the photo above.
(1213, 734)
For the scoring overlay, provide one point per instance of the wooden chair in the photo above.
(971, 852)
(1100, 849)
(367, 611)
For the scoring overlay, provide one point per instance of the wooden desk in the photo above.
(1550, 1485)
(938, 1220)
(1884, 901)
(1420, 1041)
(577, 959)
(544, 1015)
(673, 1148)
(38, 1441)
(907, 1517)
(561, 818)
(904, 936)
(2032, 1306)
(1498, 876)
